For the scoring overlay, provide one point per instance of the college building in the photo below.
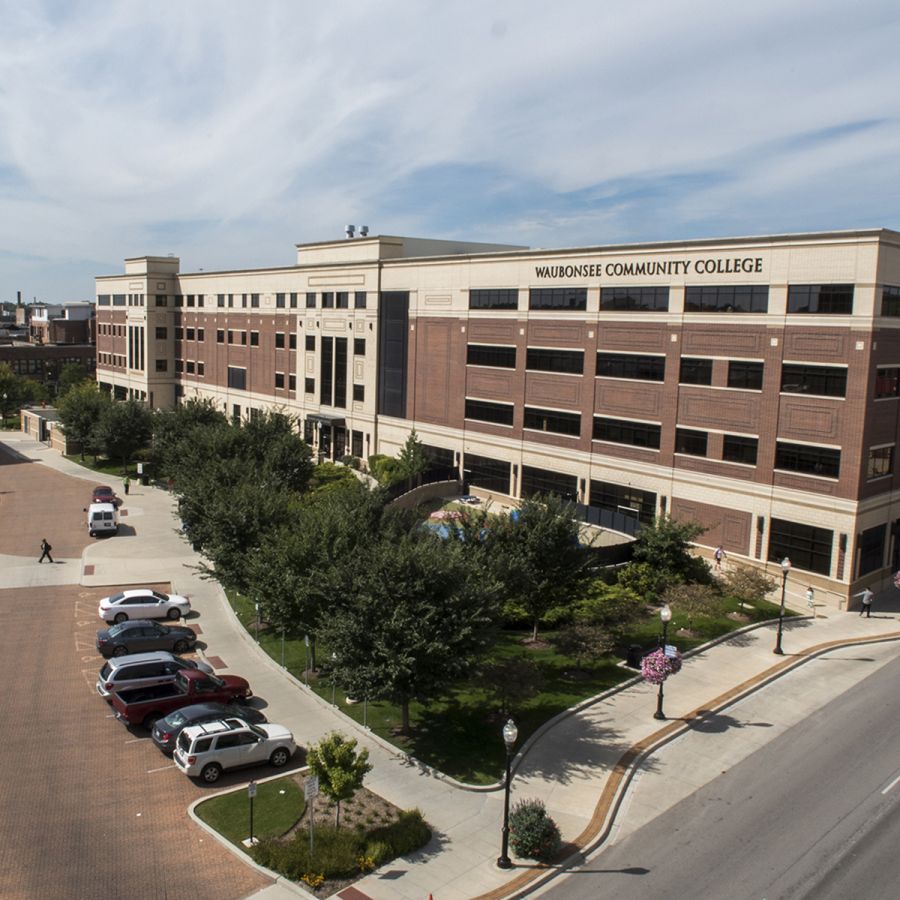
(749, 384)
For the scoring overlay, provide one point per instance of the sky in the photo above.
(227, 132)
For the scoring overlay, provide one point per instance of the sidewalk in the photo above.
(578, 765)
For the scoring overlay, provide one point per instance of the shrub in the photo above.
(379, 852)
(532, 833)
(408, 833)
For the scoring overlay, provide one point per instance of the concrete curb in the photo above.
(617, 783)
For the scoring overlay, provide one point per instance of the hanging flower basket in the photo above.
(656, 667)
(897, 580)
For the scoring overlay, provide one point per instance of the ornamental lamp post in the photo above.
(665, 615)
(785, 568)
(510, 733)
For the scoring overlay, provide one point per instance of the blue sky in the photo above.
(226, 132)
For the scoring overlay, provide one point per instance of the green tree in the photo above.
(125, 427)
(172, 426)
(407, 618)
(583, 642)
(16, 390)
(747, 584)
(694, 601)
(71, 375)
(412, 460)
(536, 554)
(512, 680)
(81, 410)
(340, 768)
(610, 607)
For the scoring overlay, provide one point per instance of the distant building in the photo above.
(751, 384)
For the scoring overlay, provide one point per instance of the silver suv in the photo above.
(143, 670)
(205, 751)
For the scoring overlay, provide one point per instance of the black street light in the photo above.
(665, 615)
(510, 733)
(785, 568)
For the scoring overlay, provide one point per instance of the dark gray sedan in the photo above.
(140, 635)
(166, 730)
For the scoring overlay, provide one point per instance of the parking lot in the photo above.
(91, 809)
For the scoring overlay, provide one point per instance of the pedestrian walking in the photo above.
(867, 598)
(45, 551)
(127, 484)
(719, 555)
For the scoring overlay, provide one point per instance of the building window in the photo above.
(484, 472)
(220, 335)
(484, 355)
(309, 385)
(695, 371)
(741, 298)
(484, 411)
(311, 342)
(553, 421)
(623, 431)
(201, 334)
(103, 300)
(739, 449)
(237, 378)
(161, 332)
(243, 338)
(279, 340)
(359, 346)
(293, 300)
(279, 381)
(179, 300)
(624, 500)
(120, 300)
(189, 300)
(557, 298)
(690, 442)
(356, 443)
(823, 299)
(280, 302)
(359, 392)
(359, 300)
(826, 381)
(292, 382)
(189, 332)
(189, 367)
(342, 299)
(631, 365)
(887, 382)
(179, 334)
(807, 547)
(890, 301)
(542, 481)
(220, 301)
(254, 338)
(310, 300)
(292, 341)
(634, 299)
(328, 300)
(230, 336)
(880, 462)
(871, 550)
(745, 375)
(201, 368)
(179, 366)
(162, 365)
(570, 362)
(162, 300)
(823, 461)
(254, 301)
(494, 299)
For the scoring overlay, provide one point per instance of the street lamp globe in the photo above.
(665, 614)
(785, 565)
(510, 733)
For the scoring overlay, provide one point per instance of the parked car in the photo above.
(143, 603)
(102, 518)
(103, 493)
(205, 751)
(141, 635)
(121, 673)
(167, 729)
(145, 706)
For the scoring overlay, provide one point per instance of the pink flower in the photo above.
(656, 667)
(897, 580)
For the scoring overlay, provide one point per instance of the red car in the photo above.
(103, 493)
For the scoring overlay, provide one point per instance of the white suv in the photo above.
(205, 751)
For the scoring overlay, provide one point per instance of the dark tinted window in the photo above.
(691, 442)
(629, 365)
(553, 360)
(695, 371)
(543, 481)
(807, 547)
(648, 299)
(553, 420)
(871, 549)
(487, 473)
(890, 301)
(739, 449)
(744, 374)
(827, 381)
(485, 411)
(620, 498)
(824, 299)
(494, 299)
(822, 461)
(887, 382)
(623, 431)
(557, 298)
(483, 355)
(740, 298)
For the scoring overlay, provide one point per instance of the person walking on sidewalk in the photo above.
(867, 598)
(45, 551)
(719, 555)
(126, 484)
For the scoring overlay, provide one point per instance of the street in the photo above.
(812, 814)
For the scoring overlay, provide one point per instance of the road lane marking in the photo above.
(161, 769)
(137, 740)
(892, 784)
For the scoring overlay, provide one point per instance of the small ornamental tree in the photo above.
(532, 833)
(747, 583)
(339, 767)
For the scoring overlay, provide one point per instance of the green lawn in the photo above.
(277, 807)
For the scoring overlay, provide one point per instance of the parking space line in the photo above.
(161, 769)
(137, 740)
(892, 784)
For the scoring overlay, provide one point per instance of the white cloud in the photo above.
(225, 132)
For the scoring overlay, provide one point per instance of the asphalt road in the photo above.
(813, 814)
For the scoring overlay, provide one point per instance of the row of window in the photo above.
(237, 380)
(110, 330)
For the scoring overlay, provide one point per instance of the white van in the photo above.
(102, 518)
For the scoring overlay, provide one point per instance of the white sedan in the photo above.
(143, 603)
